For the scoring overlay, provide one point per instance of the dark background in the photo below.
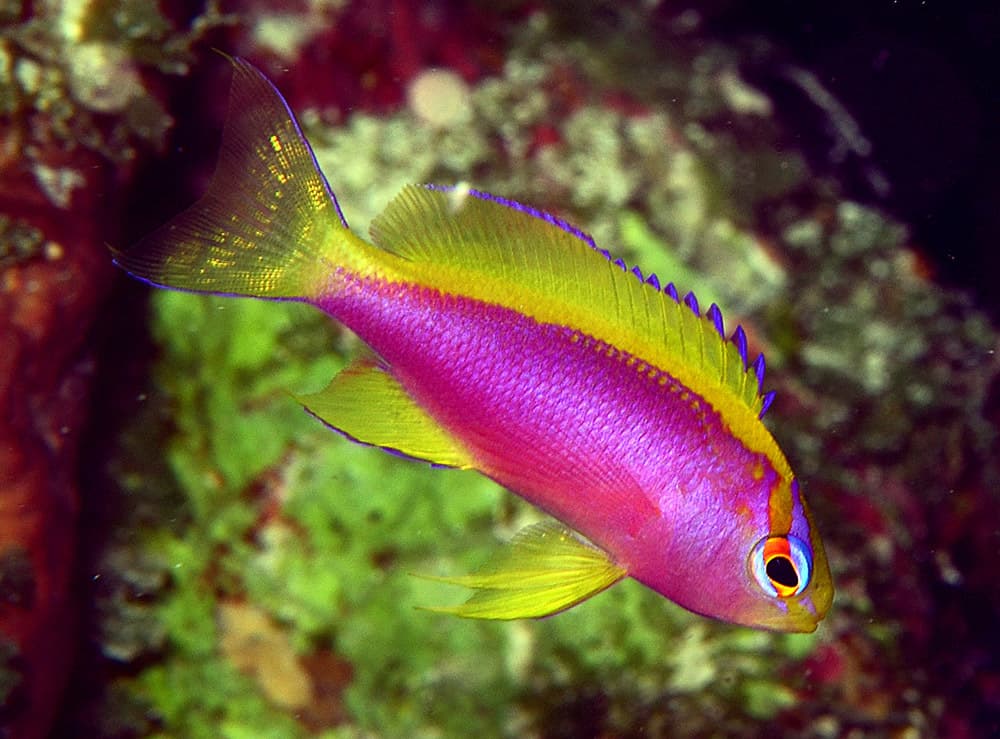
(923, 81)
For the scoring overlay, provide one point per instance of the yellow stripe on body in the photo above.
(489, 252)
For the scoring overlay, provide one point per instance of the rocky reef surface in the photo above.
(183, 552)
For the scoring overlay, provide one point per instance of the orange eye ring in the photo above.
(781, 565)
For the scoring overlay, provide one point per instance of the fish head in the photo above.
(763, 568)
(787, 585)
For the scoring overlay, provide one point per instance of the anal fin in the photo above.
(545, 569)
(367, 404)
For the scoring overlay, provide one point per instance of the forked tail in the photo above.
(268, 226)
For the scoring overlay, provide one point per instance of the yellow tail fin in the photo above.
(268, 226)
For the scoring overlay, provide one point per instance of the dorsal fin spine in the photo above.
(740, 340)
(692, 302)
(766, 402)
(715, 315)
(760, 368)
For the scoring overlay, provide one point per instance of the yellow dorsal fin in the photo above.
(484, 247)
(367, 404)
(544, 570)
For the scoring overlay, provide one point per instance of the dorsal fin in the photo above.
(470, 243)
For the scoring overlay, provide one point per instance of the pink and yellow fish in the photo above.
(501, 339)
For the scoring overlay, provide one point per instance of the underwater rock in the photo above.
(48, 301)
(255, 645)
(76, 116)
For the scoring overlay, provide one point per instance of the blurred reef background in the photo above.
(185, 553)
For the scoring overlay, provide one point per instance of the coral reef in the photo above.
(256, 580)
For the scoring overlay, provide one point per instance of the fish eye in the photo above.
(781, 565)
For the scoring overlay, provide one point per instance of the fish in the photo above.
(500, 338)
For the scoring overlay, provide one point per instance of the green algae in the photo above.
(331, 566)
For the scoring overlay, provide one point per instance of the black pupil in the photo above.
(782, 571)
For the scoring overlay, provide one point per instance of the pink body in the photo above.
(629, 458)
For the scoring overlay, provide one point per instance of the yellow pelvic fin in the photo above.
(366, 403)
(544, 570)
(268, 225)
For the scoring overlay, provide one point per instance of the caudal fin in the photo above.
(267, 227)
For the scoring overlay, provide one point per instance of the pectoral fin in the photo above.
(367, 404)
(545, 569)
